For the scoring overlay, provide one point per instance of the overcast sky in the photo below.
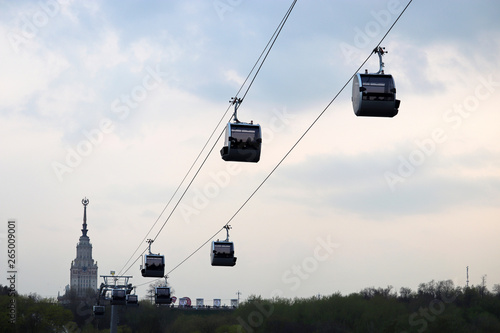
(114, 100)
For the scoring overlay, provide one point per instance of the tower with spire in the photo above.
(83, 274)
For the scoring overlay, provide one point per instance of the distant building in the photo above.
(217, 303)
(83, 274)
(234, 303)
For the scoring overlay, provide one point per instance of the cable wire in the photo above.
(296, 143)
(273, 38)
(277, 32)
(268, 47)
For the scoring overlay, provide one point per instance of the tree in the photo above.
(496, 289)
(37, 314)
(405, 294)
(4, 290)
(483, 285)
(80, 306)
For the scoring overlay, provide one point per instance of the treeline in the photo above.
(31, 313)
(433, 307)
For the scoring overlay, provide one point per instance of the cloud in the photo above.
(357, 183)
(106, 54)
(88, 62)
(233, 76)
(27, 74)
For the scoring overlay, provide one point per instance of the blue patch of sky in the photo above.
(445, 21)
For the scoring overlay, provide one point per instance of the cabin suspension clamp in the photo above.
(380, 51)
(227, 227)
(149, 241)
(236, 101)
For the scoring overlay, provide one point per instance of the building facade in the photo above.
(83, 274)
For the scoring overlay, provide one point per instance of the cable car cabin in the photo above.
(154, 265)
(162, 295)
(132, 300)
(118, 297)
(374, 95)
(242, 143)
(99, 310)
(223, 254)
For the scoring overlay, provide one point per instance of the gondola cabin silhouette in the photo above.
(242, 142)
(374, 95)
(154, 265)
(162, 295)
(223, 253)
(118, 296)
(99, 310)
(132, 300)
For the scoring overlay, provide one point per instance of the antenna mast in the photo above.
(238, 293)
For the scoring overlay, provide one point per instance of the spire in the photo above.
(85, 202)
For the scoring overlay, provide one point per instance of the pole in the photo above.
(467, 276)
(238, 293)
(113, 325)
(110, 287)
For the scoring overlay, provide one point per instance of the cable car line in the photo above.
(177, 189)
(189, 256)
(275, 35)
(268, 47)
(153, 264)
(374, 94)
(297, 142)
(243, 141)
(178, 201)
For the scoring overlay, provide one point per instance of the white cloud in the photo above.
(64, 82)
(27, 73)
(105, 54)
(233, 76)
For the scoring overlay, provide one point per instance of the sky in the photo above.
(113, 101)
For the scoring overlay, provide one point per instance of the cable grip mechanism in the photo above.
(236, 101)
(227, 227)
(380, 51)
